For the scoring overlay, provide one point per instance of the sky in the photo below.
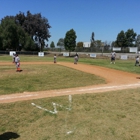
(106, 18)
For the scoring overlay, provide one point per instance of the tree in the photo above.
(70, 40)
(1, 44)
(60, 43)
(138, 42)
(92, 37)
(13, 36)
(14, 30)
(126, 39)
(36, 26)
(80, 44)
(10, 34)
(113, 44)
(29, 44)
(130, 37)
(121, 39)
(92, 44)
(52, 45)
(98, 45)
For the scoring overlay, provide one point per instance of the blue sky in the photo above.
(106, 18)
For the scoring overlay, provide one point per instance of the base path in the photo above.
(115, 80)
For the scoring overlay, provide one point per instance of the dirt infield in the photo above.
(116, 80)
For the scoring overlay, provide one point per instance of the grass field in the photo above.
(124, 65)
(43, 77)
(105, 116)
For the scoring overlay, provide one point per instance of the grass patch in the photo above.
(43, 77)
(104, 116)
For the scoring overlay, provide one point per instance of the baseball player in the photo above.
(75, 59)
(113, 55)
(17, 62)
(54, 58)
(137, 61)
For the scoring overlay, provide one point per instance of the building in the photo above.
(86, 44)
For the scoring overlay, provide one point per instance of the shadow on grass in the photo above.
(9, 135)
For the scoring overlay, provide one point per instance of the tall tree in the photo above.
(20, 19)
(36, 26)
(99, 45)
(70, 40)
(92, 37)
(52, 45)
(60, 43)
(126, 39)
(92, 44)
(29, 44)
(1, 44)
(138, 42)
(10, 34)
(121, 39)
(130, 38)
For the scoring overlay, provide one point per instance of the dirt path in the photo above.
(116, 80)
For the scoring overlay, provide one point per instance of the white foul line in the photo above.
(68, 91)
(15, 97)
(110, 87)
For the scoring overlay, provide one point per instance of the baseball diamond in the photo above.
(113, 82)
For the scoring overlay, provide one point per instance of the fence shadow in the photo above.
(9, 135)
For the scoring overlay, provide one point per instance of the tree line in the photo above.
(29, 32)
(123, 40)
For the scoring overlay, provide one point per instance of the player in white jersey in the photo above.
(137, 61)
(55, 58)
(113, 57)
(17, 62)
(75, 59)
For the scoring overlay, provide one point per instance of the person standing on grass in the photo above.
(113, 57)
(77, 56)
(55, 58)
(137, 61)
(17, 62)
(75, 59)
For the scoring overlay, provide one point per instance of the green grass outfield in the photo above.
(103, 116)
(124, 65)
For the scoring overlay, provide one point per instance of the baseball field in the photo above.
(91, 100)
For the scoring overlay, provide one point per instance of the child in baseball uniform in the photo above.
(75, 59)
(137, 61)
(17, 62)
(113, 55)
(55, 58)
